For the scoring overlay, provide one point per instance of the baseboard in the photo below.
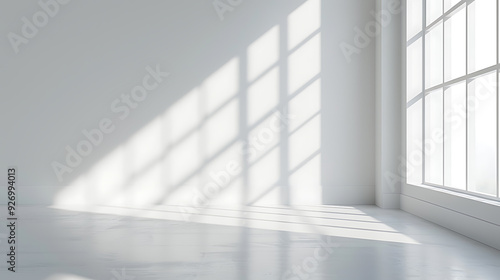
(475, 218)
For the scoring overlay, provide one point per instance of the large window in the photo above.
(452, 106)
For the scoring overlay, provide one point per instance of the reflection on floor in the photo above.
(264, 243)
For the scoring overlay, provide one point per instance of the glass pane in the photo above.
(434, 56)
(455, 137)
(448, 4)
(482, 34)
(482, 116)
(414, 69)
(454, 45)
(434, 10)
(413, 18)
(414, 144)
(433, 145)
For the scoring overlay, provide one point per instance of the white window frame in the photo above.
(467, 78)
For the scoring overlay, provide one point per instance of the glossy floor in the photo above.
(261, 243)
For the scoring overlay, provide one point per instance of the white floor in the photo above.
(261, 243)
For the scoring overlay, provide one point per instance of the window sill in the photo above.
(484, 209)
(475, 217)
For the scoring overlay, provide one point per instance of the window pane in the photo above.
(413, 18)
(482, 132)
(414, 69)
(433, 144)
(455, 142)
(454, 45)
(414, 144)
(448, 4)
(434, 56)
(434, 10)
(482, 34)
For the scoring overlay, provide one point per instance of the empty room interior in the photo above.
(249, 139)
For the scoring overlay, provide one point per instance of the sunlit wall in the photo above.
(260, 107)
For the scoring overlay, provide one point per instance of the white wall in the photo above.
(388, 105)
(227, 79)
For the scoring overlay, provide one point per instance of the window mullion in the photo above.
(424, 35)
(442, 92)
(467, 96)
